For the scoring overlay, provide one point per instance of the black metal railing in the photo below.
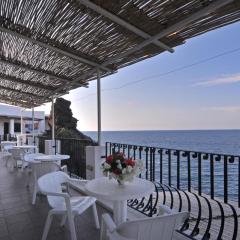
(205, 184)
(73, 147)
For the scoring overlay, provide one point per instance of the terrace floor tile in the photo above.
(20, 220)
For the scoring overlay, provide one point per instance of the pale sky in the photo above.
(196, 87)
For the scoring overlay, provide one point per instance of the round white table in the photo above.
(48, 158)
(12, 143)
(6, 145)
(25, 146)
(106, 189)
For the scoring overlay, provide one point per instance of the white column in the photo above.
(53, 120)
(33, 126)
(11, 126)
(21, 121)
(99, 107)
(94, 161)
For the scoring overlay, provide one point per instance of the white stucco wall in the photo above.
(1, 127)
(8, 112)
(12, 111)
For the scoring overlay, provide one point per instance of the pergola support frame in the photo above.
(123, 23)
(40, 72)
(55, 49)
(208, 9)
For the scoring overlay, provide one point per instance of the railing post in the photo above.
(146, 150)
(225, 177)
(161, 165)
(178, 169)
(189, 171)
(151, 164)
(169, 167)
(200, 174)
(212, 176)
(106, 149)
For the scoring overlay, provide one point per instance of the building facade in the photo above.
(17, 120)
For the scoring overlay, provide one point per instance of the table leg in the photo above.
(120, 212)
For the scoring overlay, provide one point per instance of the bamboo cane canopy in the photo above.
(48, 47)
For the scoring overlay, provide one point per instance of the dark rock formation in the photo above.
(65, 123)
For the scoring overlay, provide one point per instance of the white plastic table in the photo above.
(25, 146)
(4, 143)
(13, 142)
(48, 158)
(106, 189)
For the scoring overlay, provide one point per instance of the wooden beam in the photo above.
(15, 103)
(39, 71)
(30, 95)
(114, 18)
(5, 77)
(12, 101)
(55, 49)
(175, 27)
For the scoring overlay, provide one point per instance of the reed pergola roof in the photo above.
(48, 47)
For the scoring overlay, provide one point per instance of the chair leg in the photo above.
(72, 227)
(28, 178)
(47, 226)
(103, 231)
(6, 161)
(22, 167)
(35, 190)
(95, 214)
(63, 221)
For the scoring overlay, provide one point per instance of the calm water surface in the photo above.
(217, 141)
(212, 141)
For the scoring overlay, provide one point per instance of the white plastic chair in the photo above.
(62, 204)
(6, 146)
(17, 156)
(5, 157)
(155, 228)
(40, 168)
(28, 159)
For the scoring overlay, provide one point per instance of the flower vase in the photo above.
(121, 183)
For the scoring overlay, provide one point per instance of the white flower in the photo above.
(119, 166)
(124, 170)
(107, 166)
(129, 169)
(105, 173)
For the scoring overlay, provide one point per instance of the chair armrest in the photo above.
(64, 195)
(64, 168)
(74, 180)
(165, 210)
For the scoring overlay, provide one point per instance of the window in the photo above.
(17, 127)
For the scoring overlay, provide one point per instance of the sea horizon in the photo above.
(207, 141)
(224, 141)
(145, 130)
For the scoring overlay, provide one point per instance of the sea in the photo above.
(210, 141)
